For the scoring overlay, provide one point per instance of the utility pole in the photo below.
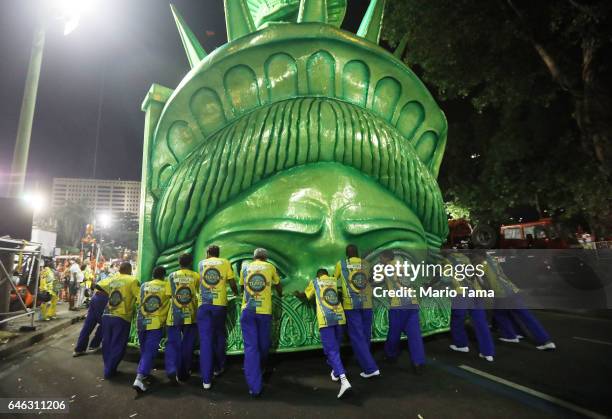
(26, 117)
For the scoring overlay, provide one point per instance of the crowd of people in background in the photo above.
(188, 307)
(71, 282)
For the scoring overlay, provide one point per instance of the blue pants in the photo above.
(211, 325)
(93, 319)
(355, 320)
(149, 345)
(405, 320)
(367, 317)
(115, 335)
(331, 337)
(179, 349)
(480, 325)
(503, 319)
(256, 337)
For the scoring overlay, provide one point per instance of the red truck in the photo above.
(541, 234)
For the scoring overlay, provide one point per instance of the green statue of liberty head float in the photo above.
(295, 136)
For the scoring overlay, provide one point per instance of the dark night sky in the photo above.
(130, 44)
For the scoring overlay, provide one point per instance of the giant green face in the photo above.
(306, 216)
(298, 137)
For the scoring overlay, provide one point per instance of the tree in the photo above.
(71, 221)
(526, 90)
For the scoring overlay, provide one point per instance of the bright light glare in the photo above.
(70, 11)
(105, 220)
(35, 201)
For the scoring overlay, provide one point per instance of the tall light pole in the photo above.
(26, 117)
(70, 12)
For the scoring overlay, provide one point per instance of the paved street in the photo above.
(522, 381)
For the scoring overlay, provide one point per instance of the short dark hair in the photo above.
(351, 251)
(186, 260)
(260, 254)
(322, 272)
(125, 268)
(159, 272)
(387, 254)
(213, 250)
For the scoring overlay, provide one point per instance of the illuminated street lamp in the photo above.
(36, 201)
(69, 11)
(105, 220)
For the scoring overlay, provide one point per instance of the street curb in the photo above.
(31, 338)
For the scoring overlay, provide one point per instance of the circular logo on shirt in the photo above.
(183, 295)
(359, 280)
(151, 304)
(256, 282)
(330, 296)
(212, 277)
(115, 298)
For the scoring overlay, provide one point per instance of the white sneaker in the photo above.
(206, 386)
(547, 347)
(487, 357)
(139, 386)
(520, 337)
(345, 387)
(76, 354)
(459, 348)
(514, 340)
(218, 373)
(333, 377)
(370, 375)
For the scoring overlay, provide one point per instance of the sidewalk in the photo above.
(12, 340)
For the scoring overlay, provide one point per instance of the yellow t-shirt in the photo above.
(497, 280)
(396, 283)
(154, 302)
(122, 293)
(257, 278)
(47, 281)
(356, 289)
(89, 277)
(214, 274)
(329, 309)
(184, 307)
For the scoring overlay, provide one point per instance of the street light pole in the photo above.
(26, 117)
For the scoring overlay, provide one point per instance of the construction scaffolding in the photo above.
(28, 256)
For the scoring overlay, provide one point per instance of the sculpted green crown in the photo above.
(296, 136)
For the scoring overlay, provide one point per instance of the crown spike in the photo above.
(371, 25)
(401, 47)
(193, 48)
(312, 11)
(238, 19)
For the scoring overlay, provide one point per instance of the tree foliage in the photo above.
(527, 88)
(72, 218)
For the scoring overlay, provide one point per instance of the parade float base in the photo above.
(295, 328)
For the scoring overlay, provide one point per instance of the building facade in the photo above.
(103, 196)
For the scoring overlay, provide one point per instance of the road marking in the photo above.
(603, 342)
(535, 393)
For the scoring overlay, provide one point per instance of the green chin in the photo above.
(306, 216)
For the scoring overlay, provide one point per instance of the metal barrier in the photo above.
(24, 248)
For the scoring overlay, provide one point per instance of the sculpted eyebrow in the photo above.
(359, 226)
(307, 226)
